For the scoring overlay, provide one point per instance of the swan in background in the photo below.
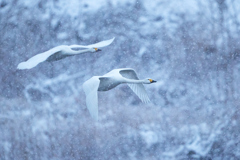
(111, 80)
(61, 52)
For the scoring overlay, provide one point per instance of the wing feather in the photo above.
(35, 60)
(96, 45)
(138, 89)
(90, 88)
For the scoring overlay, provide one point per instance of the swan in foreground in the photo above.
(61, 52)
(111, 80)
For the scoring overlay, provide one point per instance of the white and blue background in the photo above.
(191, 47)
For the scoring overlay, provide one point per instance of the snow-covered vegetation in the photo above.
(191, 47)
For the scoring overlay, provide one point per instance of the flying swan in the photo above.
(61, 52)
(111, 80)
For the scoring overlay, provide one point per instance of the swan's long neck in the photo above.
(80, 51)
(134, 81)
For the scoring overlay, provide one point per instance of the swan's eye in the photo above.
(95, 49)
(150, 80)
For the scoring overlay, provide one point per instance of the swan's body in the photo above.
(61, 52)
(111, 80)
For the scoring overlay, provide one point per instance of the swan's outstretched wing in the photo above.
(90, 88)
(96, 45)
(101, 44)
(138, 89)
(35, 60)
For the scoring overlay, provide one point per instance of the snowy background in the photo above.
(191, 47)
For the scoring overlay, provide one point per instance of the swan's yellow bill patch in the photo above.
(95, 49)
(150, 80)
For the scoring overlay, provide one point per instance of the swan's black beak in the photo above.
(97, 49)
(154, 81)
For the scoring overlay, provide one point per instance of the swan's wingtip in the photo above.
(148, 101)
(20, 66)
(23, 65)
(94, 117)
(111, 40)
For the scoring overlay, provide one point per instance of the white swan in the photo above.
(111, 80)
(61, 52)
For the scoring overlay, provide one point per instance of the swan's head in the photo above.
(96, 50)
(151, 80)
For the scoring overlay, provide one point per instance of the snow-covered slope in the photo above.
(190, 47)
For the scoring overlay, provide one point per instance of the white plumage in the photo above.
(111, 80)
(61, 52)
